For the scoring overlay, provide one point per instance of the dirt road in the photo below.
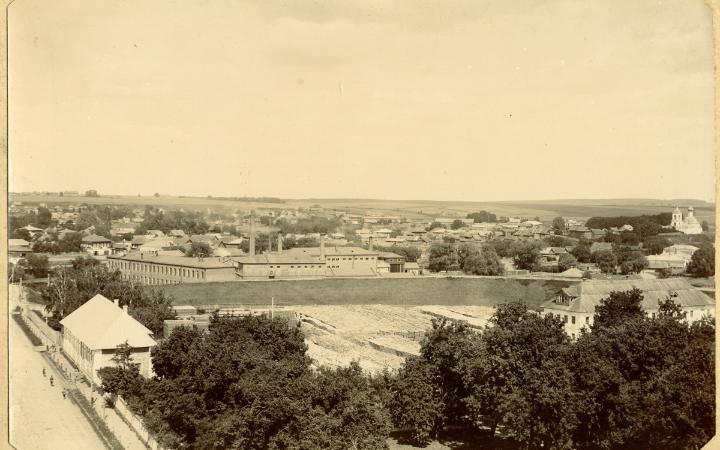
(39, 416)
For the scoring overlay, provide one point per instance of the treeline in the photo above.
(247, 199)
(631, 382)
(190, 222)
(70, 287)
(643, 226)
(482, 216)
(628, 382)
(469, 258)
(409, 252)
(247, 383)
(306, 225)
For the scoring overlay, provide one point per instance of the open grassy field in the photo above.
(415, 291)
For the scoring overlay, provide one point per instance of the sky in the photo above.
(469, 100)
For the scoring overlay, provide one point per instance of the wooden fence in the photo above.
(47, 334)
(136, 425)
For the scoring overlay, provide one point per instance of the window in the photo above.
(587, 319)
(573, 320)
(653, 315)
(565, 319)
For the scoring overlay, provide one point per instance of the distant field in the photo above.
(545, 210)
(417, 291)
(162, 201)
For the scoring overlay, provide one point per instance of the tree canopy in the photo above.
(70, 287)
(247, 383)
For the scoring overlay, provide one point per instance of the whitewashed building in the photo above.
(575, 305)
(91, 334)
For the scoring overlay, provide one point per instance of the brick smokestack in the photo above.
(252, 233)
(279, 243)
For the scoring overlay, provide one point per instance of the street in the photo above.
(39, 416)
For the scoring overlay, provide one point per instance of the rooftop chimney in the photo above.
(251, 251)
(279, 249)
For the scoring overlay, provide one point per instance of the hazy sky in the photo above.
(446, 100)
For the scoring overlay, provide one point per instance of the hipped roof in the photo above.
(99, 324)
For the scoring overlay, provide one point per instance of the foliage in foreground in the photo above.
(632, 382)
(247, 384)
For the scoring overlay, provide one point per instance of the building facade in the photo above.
(91, 334)
(687, 225)
(575, 305)
(160, 269)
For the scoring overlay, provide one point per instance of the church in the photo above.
(688, 225)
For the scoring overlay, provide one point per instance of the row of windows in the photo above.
(572, 319)
(150, 280)
(158, 269)
(299, 267)
(369, 258)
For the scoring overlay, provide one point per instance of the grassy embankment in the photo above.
(417, 291)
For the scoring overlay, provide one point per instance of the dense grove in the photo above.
(646, 225)
(247, 383)
(630, 382)
(469, 258)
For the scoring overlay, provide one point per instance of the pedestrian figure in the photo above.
(44, 372)
(52, 380)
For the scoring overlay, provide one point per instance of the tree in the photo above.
(434, 225)
(457, 224)
(199, 249)
(416, 403)
(654, 245)
(443, 257)
(44, 217)
(566, 261)
(70, 287)
(618, 307)
(581, 252)
(21, 233)
(606, 261)
(124, 376)
(702, 263)
(482, 216)
(526, 257)
(483, 262)
(519, 378)
(37, 265)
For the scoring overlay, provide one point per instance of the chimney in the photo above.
(116, 302)
(251, 251)
(125, 309)
(322, 247)
(279, 246)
